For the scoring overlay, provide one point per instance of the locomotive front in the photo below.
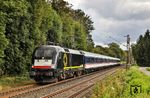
(43, 64)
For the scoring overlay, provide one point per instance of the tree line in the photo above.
(26, 24)
(112, 50)
(141, 50)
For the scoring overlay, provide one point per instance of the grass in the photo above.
(11, 82)
(119, 85)
(148, 69)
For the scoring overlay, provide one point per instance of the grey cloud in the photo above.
(120, 9)
(117, 18)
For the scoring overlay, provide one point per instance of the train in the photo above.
(53, 63)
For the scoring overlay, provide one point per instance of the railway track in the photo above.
(60, 89)
(77, 89)
(17, 89)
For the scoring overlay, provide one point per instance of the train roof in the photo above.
(80, 52)
(99, 55)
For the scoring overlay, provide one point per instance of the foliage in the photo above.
(26, 24)
(148, 69)
(113, 50)
(11, 82)
(16, 29)
(111, 87)
(120, 86)
(141, 49)
(3, 40)
(74, 22)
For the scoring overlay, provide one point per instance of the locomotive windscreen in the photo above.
(45, 53)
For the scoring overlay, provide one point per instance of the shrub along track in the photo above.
(63, 89)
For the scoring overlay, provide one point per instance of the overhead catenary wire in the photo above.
(117, 41)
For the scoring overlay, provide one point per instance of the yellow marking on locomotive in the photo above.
(73, 67)
(65, 60)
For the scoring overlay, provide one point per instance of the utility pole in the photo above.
(128, 63)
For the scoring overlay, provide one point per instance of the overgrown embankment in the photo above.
(125, 84)
(11, 82)
(148, 69)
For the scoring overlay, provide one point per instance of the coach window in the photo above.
(89, 59)
(96, 60)
(103, 60)
(92, 60)
(107, 60)
(111, 60)
(99, 60)
(86, 60)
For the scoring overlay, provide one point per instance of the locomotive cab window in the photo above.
(48, 53)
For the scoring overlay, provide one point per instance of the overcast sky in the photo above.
(114, 19)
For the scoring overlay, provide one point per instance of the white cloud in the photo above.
(76, 3)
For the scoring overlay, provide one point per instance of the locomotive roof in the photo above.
(58, 48)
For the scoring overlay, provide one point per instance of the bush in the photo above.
(121, 84)
(9, 82)
(148, 69)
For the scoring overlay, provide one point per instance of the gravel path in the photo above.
(143, 69)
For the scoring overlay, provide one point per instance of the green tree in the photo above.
(113, 50)
(64, 9)
(16, 32)
(80, 36)
(67, 31)
(141, 49)
(116, 50)
(54, 33)
(26, 24)
(3, 40)
(147, 47)
(87, 23)
(61, 7)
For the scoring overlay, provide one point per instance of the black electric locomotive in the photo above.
(51, 63)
